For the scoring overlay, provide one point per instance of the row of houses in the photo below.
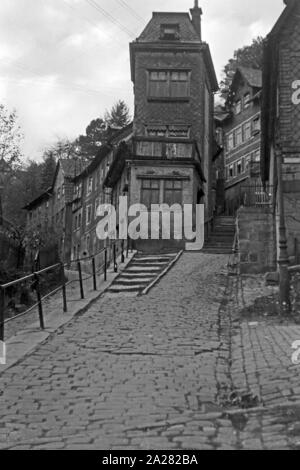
(165, 156)
(182, 149)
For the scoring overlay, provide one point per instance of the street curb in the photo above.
(162, 274)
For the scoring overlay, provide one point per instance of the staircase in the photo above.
(221, 239)
(140, 272)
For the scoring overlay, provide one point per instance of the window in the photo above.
(149, 149)
(157, 131)
(79, 220)
(76, 222)
(169, 32)
(169, 84)
(97, 203)
(150, 192)
(90, 185)
(174, 131)
(247, 162)
(179, 132)
(179, 150)
(158, 84)
(246, 100)
(88, 214)
(179, 84)
(239, 167)
(247, 131)
(230, 141)
(256, 125)
(238, 136)
(231, 171)
(238, 107)
(172, 192)
(256, 156)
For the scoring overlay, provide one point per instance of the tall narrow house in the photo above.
(174, 83)
(281, 124)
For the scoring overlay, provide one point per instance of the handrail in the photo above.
(17, 281)
(36, 282)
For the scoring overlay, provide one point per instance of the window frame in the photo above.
(169, 92)
(238, 107)
(151, 191)
(89, 210)
(246, 100)
(173, 190)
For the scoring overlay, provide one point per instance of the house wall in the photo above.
(256, 240)
(288, 131)
(244, 151)
(196, 112)
(84, 240)
(190, 186)
(61, 214)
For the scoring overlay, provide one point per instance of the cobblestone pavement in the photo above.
(157, 372)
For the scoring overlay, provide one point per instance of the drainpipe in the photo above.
(283, 261)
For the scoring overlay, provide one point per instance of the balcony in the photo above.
(169, 150)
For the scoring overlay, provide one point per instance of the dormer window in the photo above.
(169, 32)
(238, 107)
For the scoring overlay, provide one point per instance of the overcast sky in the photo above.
(64, 62)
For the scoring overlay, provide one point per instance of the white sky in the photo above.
(64, 62)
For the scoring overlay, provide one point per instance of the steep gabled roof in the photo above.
(68, 167)
(105, 149)
(37, 201)
(187, 32)
(252, 76)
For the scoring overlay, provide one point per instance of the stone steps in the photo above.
(222, 238)
(141, 271)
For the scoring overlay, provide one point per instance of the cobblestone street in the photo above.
(158, 372)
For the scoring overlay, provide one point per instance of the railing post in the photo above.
(115, 259)
(64, 292)
(39, 299)
(105, 265)
(94, 273)
(2, 315)
(80, 280)
(123, 248)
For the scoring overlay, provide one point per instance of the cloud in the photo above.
(64, 62)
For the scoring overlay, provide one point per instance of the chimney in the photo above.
(196, 13)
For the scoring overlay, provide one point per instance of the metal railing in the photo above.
(88, 268)
(251, 195)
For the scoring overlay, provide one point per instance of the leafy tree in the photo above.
(63, 149)
(48, 170)
(119, 115)
(247, 56)
(10, 152)
(100, 129)
(96, 134)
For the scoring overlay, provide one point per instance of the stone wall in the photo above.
(256, 240)
(295, 291)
